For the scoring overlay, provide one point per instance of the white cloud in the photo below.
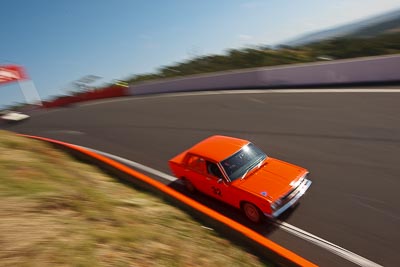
(245, 37)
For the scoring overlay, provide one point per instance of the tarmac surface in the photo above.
(350, 142)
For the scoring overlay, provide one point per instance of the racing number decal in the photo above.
(216, 191)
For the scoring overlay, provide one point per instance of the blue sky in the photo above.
(61, 41)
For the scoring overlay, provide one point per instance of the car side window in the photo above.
(196, 163)
(213, 170)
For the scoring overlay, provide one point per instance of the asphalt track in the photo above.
(349, 141)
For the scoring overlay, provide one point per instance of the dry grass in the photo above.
(56, 211)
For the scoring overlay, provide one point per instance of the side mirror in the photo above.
(220, 180)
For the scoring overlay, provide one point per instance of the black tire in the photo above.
(252, 213)
(189, 186)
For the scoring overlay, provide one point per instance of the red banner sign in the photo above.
(12, 73)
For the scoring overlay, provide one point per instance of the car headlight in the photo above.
(276, 204)
(299, 181)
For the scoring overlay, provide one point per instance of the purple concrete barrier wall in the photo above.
(363, 70)
(195, 83)
(377, 69)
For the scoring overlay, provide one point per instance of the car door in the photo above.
(196, 172)
(217, 185)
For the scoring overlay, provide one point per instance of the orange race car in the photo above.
(237, 172)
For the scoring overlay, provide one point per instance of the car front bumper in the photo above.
(300, 190)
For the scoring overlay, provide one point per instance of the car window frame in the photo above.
(221, 169)
(188, 156)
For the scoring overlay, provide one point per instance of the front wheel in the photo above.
(252, 212)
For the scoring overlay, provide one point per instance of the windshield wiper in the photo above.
(244, 175)
(258, 165)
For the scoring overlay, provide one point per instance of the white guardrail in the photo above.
(339, 72)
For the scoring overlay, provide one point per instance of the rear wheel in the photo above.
(189, 186)
(252, 212)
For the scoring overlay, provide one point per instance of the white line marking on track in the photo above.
(322, 243)
(280, 91)
(344, 253)
(136, 165)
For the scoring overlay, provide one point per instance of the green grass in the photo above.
(56, 211)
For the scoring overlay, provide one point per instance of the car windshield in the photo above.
(240, 163)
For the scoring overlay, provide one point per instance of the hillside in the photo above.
(370, 27)
(338, 48)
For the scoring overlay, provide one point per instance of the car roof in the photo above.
(218, 147)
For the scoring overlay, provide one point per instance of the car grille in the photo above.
(293, 192)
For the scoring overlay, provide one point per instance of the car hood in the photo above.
(272, 180)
